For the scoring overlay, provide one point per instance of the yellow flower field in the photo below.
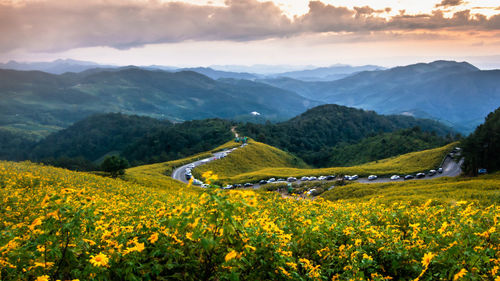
(62, 225)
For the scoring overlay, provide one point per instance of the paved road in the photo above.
(180, 173)
(450, 169)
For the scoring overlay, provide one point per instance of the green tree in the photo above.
(115, 165)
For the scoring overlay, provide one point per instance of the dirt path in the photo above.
(233, 129)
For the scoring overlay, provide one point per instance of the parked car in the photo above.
(280, 180)
(262, 182)
(304, 178)
(372, 177)
(271, 180)
(237, 185)
(420, 175)
(313, 178)
(482, 171)
(353, 178)
(395, 177)
(291, 179)
(309, 192)
(322, 178)
(331, 177)
(440, 170)
(347, 177)
(409, 177)
(191, 166)
(431, 173)
(248, 184)
(227, 186)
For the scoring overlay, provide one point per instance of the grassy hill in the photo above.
(159, 174)
(485, 189)
(71, 225)
(403, 164)
(253, 157)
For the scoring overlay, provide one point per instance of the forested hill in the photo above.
(34, 100)
(140, 140)
(312, 134)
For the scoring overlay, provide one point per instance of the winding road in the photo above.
(450, 169)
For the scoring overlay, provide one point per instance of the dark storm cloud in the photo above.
(56, 25)
(450, 3)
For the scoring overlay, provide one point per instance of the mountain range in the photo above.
(455, 93)
(34, 100)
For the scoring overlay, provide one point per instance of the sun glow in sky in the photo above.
(247, 32)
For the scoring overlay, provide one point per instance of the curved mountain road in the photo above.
(450, 169)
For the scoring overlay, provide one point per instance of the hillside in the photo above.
(31, 99)
(312, 134)
(455, 93)
(442, 190)
(135, 230)
(382, 146)
(141, 140)
(482, 148)
(414, 162)
(253, 157)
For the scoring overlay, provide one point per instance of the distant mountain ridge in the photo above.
(39, 99)
(458, 94)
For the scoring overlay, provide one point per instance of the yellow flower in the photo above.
(460, 274)
(426, 260)
(42, 278)
(35, 223)
(231, 255)
(153, 238)
(99, 260)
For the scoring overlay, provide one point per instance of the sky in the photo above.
(250, 32)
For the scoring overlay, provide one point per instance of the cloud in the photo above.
(57, 25)
(450, 3)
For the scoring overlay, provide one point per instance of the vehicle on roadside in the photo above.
(229, 186)
(440, 170)
(395, 177)
(309, 192)
(353, 178)
(322, 178)
(431, 173)
(280, 180)
(191, 166)
(409, 177)
(291, 179)
(331, 177)
(304, 178)
(205, 185)
(313, 178)
(482, 171)
(248, 184)
(271, 180)
(237, 185)
(347, 177)
(372, 177)
(262, 182)
(420, 175)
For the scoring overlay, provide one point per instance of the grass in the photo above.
(237, 170)
(484, 189)
(159, 174)
(253, 157)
